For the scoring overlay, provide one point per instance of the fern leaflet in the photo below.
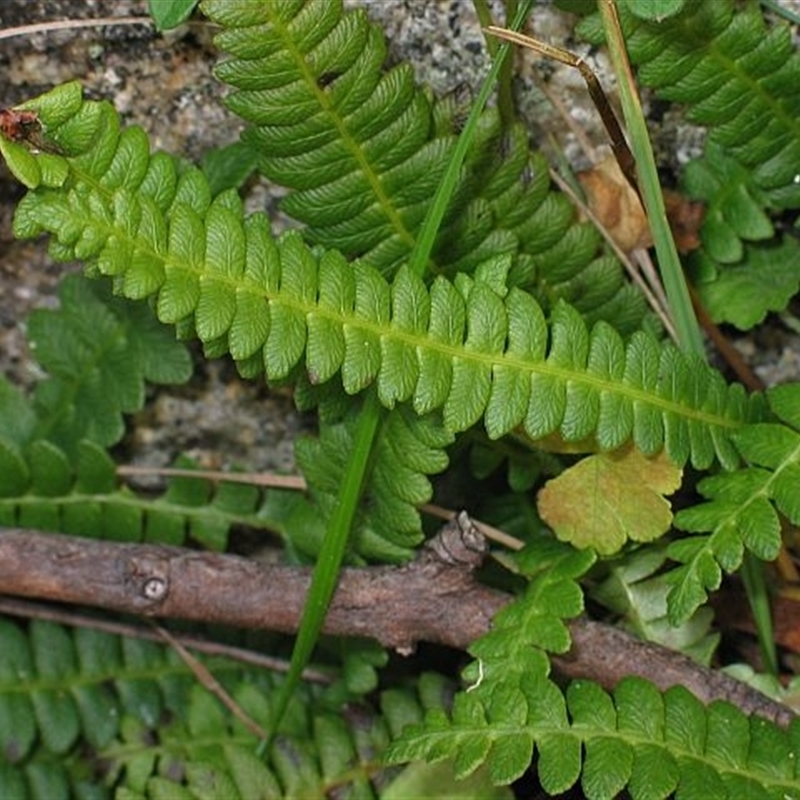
(742, 507)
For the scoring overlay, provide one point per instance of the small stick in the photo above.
(70, 24)
(619, 145)
(204, 676)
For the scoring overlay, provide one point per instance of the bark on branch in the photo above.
(434, 598)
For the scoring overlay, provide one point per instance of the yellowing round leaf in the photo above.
(607, 499)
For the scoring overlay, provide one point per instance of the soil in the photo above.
(164, 83)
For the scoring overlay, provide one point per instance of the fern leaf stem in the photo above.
(326, 571)
(420, 255)
(688, 331)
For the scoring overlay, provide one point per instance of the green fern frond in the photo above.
(651, 744)
(318, 753)
(469, 347)
(153, 731)
(43, 488)
(60, 686)
(363, 151)
(738, 78)
(742, 507)
(408, 448)
(98, 352)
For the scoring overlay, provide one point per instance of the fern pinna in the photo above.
(363, 151)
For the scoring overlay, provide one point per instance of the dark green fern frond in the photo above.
(737, 78)
(328, 124)
(653, 745)
(468, 348)
(742, 507)
(135, 710)
(59, 687)
(364, 150)
(42, 488)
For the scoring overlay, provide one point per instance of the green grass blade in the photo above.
(420, 255)
(329, 562)
(687, 329)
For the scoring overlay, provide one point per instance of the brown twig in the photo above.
(435, 598)
(204, 676)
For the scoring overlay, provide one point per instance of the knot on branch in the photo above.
(458, 543)
(148, 580)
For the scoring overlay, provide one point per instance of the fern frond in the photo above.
(468, 348)
(43, 488)
(363, 151)
(742, 507)
(408, 448)
(98, 352)
(737, 78)
(153, 731)
(651, 744)
(59, 686)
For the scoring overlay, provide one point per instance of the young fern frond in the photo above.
(470, 348)
(742, 507)
(363, 151)
(638, 739)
